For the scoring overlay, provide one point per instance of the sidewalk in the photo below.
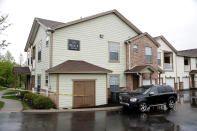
(10, 105)
(77, 110)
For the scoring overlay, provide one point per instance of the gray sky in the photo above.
(175, 19)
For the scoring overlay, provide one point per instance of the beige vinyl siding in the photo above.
(66, 87)
(42, 65)
(164, 47)
(52, 82)
(92, 48)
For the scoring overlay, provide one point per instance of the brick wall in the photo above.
(138, 58)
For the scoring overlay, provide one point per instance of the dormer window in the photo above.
(135, 48)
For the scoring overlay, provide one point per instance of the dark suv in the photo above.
(145, 97)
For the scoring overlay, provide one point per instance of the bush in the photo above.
(42, 102)
(22, 94)
(29, 97)
(38, 101)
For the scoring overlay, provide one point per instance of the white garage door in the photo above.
(170, 82)
(146, 82)
(195, 79)
(185, 83)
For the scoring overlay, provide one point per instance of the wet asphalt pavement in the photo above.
(184, 117)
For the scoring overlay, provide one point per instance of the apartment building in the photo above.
(87, 59)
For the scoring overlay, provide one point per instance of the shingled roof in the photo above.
(73, 66)
(141, 35)
(188, 53)
(139, 69)
(167, 42)
(49, 23)
(55, 25)
(21, 70)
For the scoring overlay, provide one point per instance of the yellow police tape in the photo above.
(49, 93)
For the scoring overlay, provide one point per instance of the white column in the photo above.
(140, 80)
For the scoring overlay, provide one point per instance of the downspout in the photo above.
(129, 56)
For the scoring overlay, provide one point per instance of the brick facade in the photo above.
(138, 58)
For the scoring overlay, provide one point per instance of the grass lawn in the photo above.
(2, 88)
(25, 106)
(10, 97)
(10, 93)
(1, 104)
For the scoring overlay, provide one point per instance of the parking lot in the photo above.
(183, 117)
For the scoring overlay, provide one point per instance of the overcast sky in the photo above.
(175, 19)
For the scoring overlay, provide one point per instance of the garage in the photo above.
(170, 82)
(146, 82)
(185, 83)
(79, 83)
(84, 93)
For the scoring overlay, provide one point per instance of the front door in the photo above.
(135, 82)
(84, 93)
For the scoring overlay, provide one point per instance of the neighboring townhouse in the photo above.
(81, 62)
(180, 67)
(187, 68)
(166, 58)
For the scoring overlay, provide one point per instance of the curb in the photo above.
(75, 110)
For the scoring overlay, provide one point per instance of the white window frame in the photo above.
(114, 50)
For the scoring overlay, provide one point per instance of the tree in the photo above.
(4, 24)
(7, 78)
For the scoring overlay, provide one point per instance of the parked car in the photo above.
(148, 96)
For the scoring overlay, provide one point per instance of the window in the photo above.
(46, 80)
(154, 89)
(162, 89)
(148, 52)
(38, 80)
(196, 62)
(114, 52)
(135, 48)
(47, 40)
(39, 51)
(166, 59)
(39, 55)
(186, 62)
(159, 58)
(114, 83)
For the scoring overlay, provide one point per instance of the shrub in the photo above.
(22, 94)
(29, 97)
(42, 102)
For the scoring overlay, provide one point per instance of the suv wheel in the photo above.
(171, 103)
(143, 107)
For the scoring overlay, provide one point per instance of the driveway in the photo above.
(183, 118)
(10, 105)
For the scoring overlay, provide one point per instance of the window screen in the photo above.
(114, 83)
(114, 51)
(148, 52)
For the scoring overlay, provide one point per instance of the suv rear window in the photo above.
(164, 89)
(169, 89)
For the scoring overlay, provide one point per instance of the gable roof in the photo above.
(188, 53)
(21, 70)
(55, 25)
(119, 15)
(141, 35)
(168, 43)
(73, 66)
(139, 69)
(49, 23)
